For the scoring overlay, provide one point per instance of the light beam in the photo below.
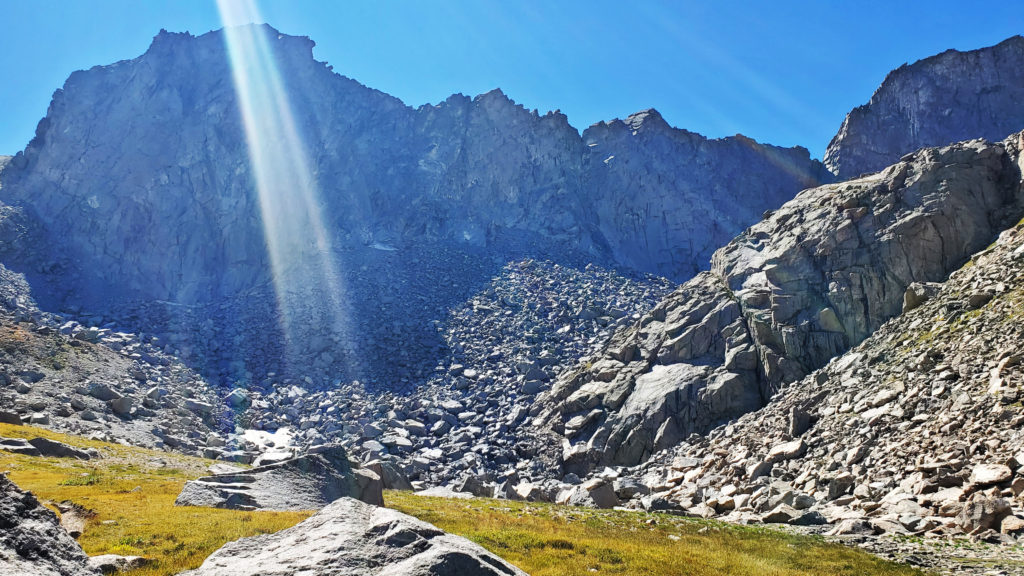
(312, 308)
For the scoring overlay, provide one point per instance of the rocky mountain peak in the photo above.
(646, 119)
(482, 181)
(942, 99)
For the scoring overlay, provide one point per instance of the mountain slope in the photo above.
(915, 430)
(140, 191)
(814, 278)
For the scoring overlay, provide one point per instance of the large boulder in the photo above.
(32, 541)
(351, 538)
(57, 449)
(308, 482)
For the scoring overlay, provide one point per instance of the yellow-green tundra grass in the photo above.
(132, 491)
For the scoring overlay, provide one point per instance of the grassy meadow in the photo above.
(132, 492)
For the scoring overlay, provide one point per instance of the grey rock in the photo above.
(115, 564)
(946, 98)
(18, 446)
(391, 476)
(103, 392)
(198, 407)
(627, 488)
(57, 449)
(73, 517)
(871, 239)
(989, 474)
(32, 542)
(781, 514)
(351, 538)
(121, 406)
(852, 526)
(918, 293)
(983, 513)
(308, 482)
(8, 417)
(799, 421)
(787, 451)
(475, 486)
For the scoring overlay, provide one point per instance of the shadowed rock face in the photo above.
(802, 286)
(32, 541)
(946, 98)
(351, 538)
(308, 482)
(140, 195)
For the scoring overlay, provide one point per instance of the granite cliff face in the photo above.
(814, 278)
(650, 186)
(141, 202)
(946, 98)
(915, 430)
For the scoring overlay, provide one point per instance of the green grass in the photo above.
(547, 540)
(132, 492)
(90, 478)
(133, 498)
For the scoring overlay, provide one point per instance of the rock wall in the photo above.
(812, 279)
(946, 98)
(140, 193)
(915, 430)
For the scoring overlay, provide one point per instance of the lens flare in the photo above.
(312, 309)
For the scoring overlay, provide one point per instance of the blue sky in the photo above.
(780, 72)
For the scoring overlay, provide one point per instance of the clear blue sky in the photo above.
(780, 72)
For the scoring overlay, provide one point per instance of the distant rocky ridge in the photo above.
(814, 278)
(157, 223)
(946, 98)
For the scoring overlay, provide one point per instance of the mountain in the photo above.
(140, 207)
(802, 286)
(914, 430)
(946, 98)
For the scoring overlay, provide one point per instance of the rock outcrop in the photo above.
(457, 189)
(308, 482)
(812, 279)
(350, 538)
(917, 430)
(32, 541)
(946, 98)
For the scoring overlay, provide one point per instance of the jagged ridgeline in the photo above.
(136, 203)
(946, 98)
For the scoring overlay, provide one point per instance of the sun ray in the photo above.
(310, 293)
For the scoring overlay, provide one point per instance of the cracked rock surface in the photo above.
(812, 279)
(32, 541)
(350, 538)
